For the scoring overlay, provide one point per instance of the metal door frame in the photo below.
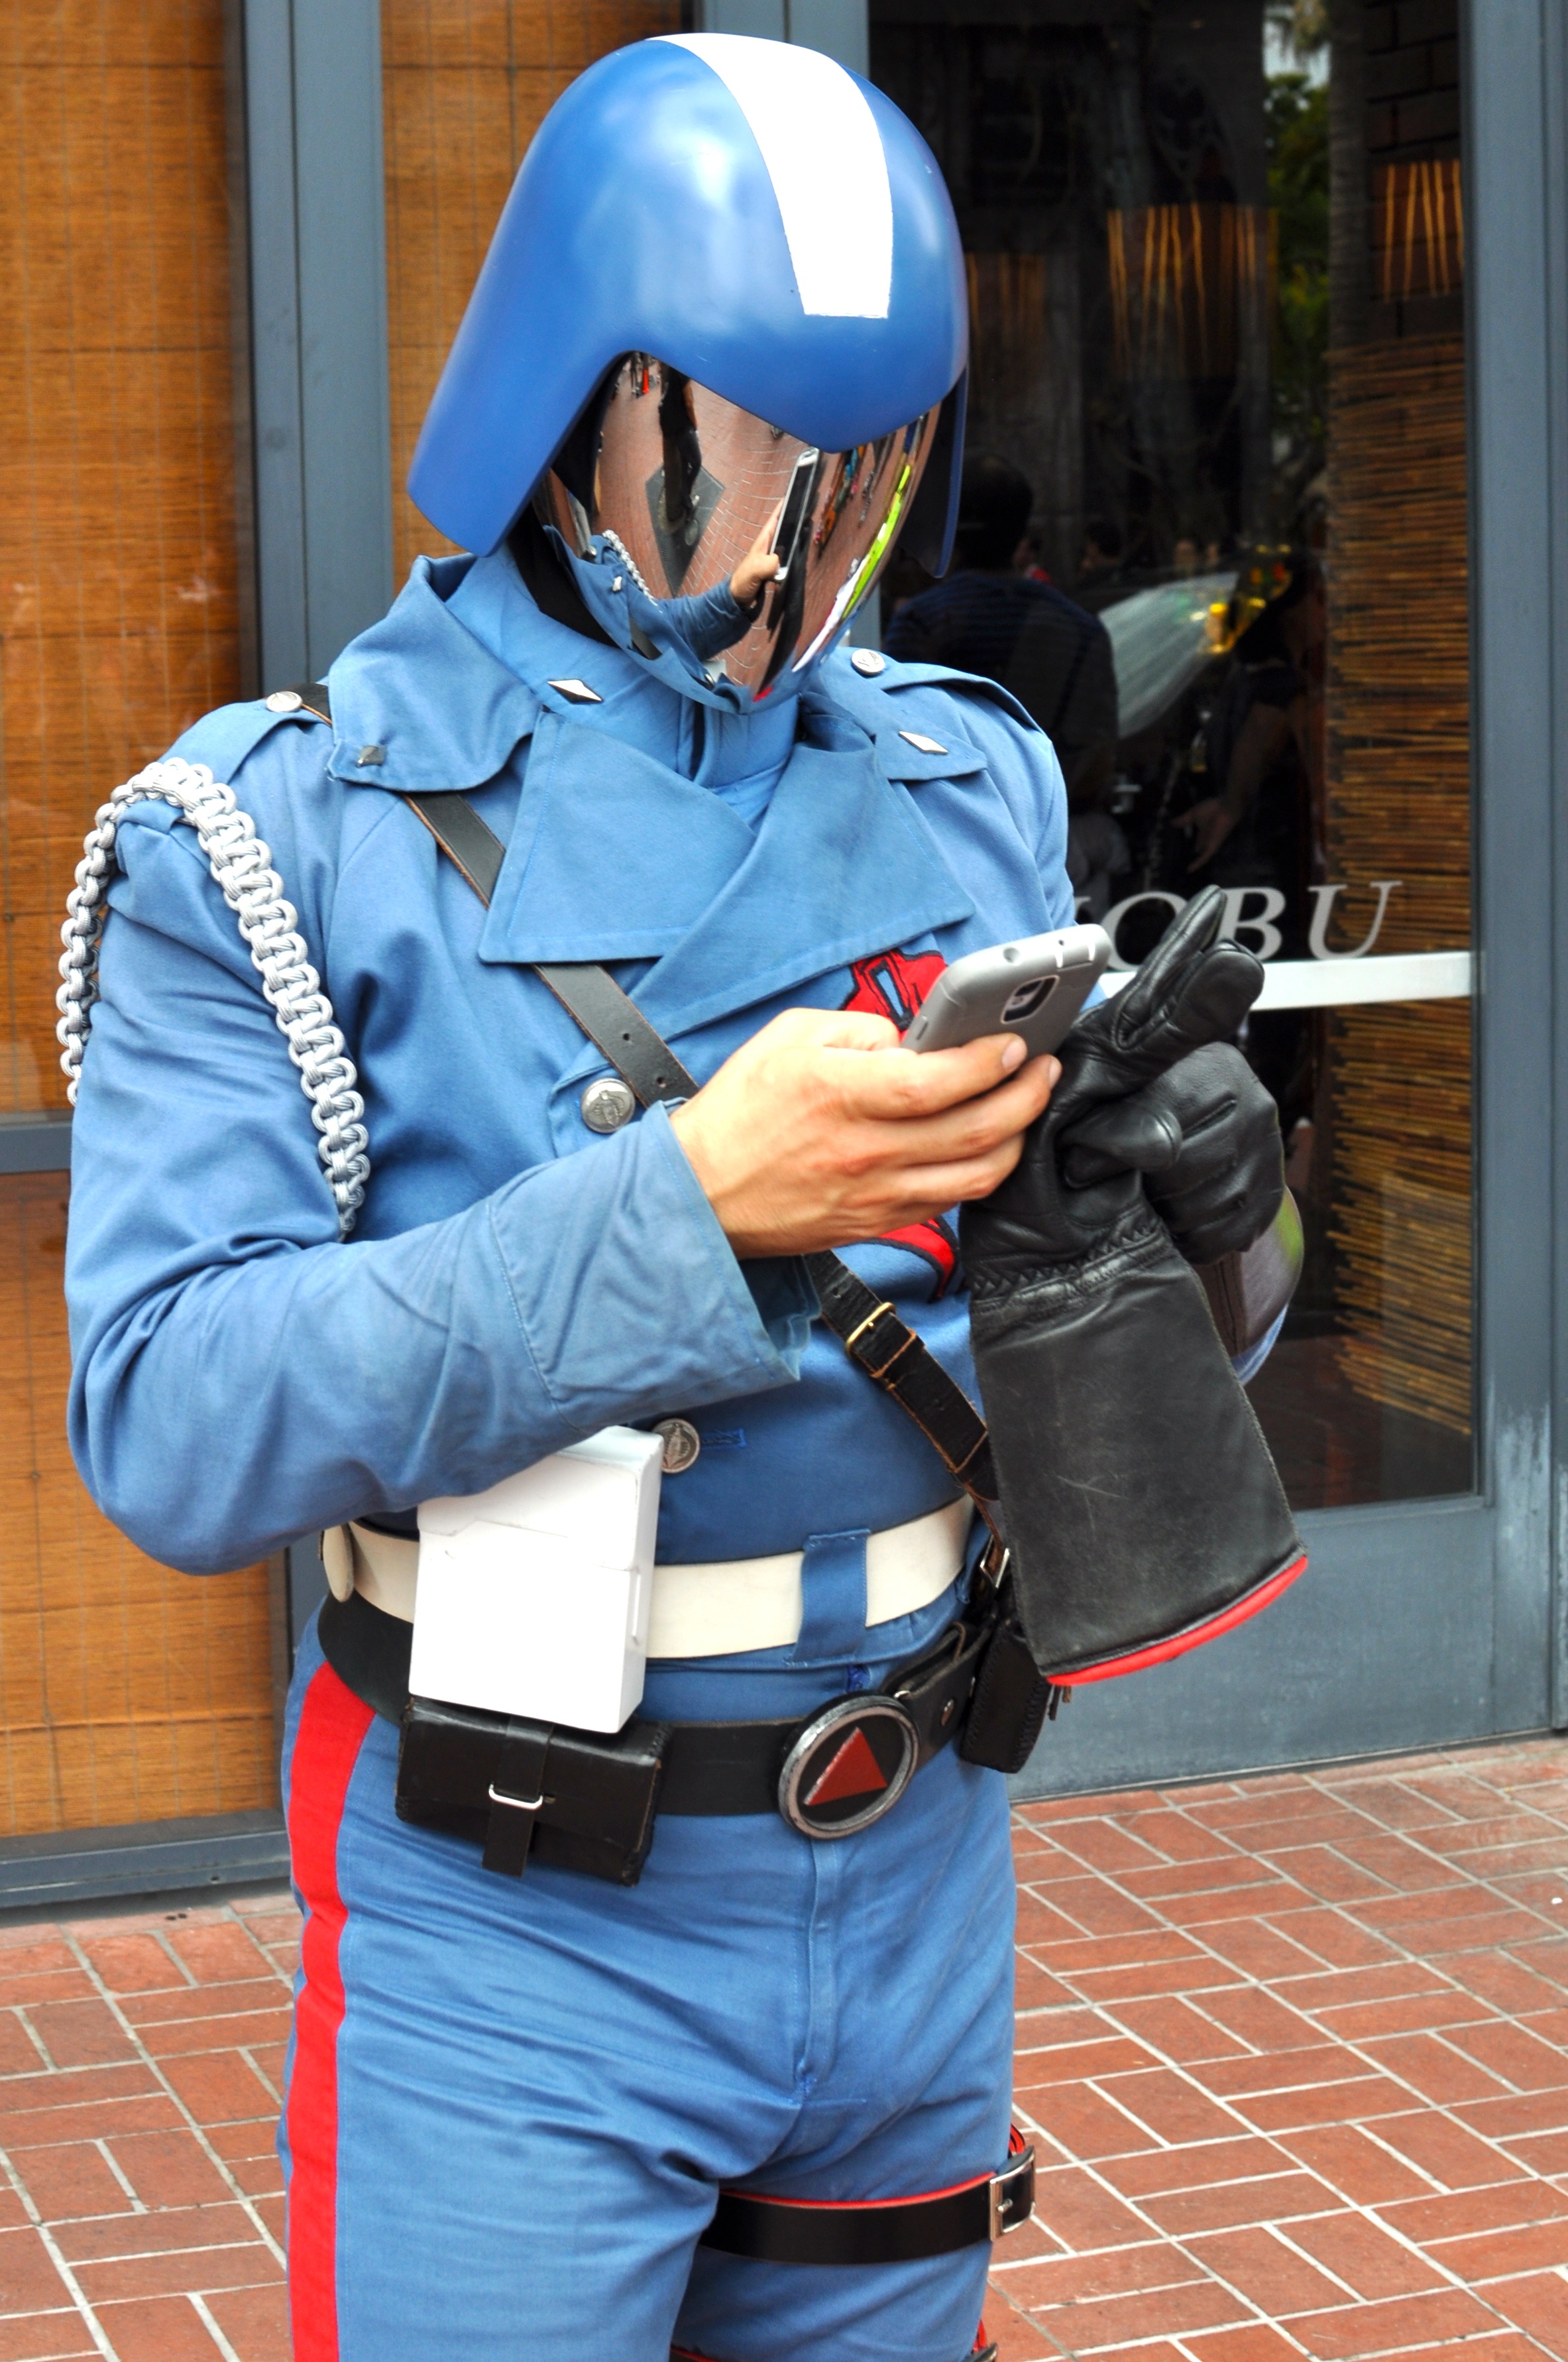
(1423, 1623)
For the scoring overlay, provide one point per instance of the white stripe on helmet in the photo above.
(824, 155)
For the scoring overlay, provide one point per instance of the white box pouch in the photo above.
(533, 1597)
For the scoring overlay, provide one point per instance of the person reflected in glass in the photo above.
(991, 616)
(1099, 568)
(1256, 828)
(1258, 749)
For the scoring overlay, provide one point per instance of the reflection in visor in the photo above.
(682, 485)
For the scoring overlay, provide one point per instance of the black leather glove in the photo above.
(1194, 991)
(1219, 1186)
(1142, 1508)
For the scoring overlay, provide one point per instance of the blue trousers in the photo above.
(509, 2104)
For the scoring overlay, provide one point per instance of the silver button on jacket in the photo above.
(607, 1103)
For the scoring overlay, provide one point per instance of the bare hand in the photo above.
(821, 1131)
(757, 568)
(1210, 822)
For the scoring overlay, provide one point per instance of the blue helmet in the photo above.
(749, 213)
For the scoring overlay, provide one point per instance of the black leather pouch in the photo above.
(1011, 1700)
(579, 1800)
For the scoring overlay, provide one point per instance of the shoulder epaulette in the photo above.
(222, 739)
(860, 691)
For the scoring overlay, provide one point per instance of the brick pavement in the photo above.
(1294, 2050)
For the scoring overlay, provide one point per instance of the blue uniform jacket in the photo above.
(516, 1282)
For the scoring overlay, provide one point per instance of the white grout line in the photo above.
(263, 2079)
(139, 2205)
(247, 2202)
(73, 2285)
(35, 2038)
(1106, 2013)
(204, 2314)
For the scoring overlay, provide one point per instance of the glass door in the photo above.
(1220, 286)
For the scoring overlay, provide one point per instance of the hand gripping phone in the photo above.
(1034, 987)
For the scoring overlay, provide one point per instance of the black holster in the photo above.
(580, 1800)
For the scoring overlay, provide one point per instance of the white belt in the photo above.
(714, 1609)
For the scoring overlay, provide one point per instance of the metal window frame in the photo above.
(320, 387)
(839, 28)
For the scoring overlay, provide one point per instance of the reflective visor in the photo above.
(682, 484)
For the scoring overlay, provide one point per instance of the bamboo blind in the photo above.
(1189, 287)
(1417, 228)
(1007, 329)
(1398, 806)
(466, 86)
(126, 1693)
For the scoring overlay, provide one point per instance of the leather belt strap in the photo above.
(877, 2231)
(888, 1351)
(614, 1024)
(710, 1770)
(462, 836)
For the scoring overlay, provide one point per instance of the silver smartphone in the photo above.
(794, 513)
(1034, 987)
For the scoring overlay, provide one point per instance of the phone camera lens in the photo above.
(1028, 1000)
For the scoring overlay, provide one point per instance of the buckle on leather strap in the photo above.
(1012, 2190)
(859, 1342)
(849, 1766)
(877, 2231)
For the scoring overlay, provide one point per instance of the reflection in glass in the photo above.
(1216, 277)
(678, 485)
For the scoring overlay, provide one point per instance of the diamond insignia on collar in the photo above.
(871, 661)
(578, 692)
(922, 745)
(368, 755)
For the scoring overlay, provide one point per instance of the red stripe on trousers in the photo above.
(333, 1725)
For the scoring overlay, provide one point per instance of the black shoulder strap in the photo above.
(869, 1329)
(463, 837)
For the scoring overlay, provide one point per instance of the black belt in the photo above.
(588, 1800)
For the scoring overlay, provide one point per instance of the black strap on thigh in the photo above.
(877, 2231)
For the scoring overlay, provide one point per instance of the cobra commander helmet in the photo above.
(725, 304)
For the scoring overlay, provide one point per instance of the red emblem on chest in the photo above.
(894, 984)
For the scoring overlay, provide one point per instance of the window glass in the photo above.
(1216, 266)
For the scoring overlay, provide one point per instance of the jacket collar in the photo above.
(614, 857)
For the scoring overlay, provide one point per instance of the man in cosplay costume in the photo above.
(590, 893)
